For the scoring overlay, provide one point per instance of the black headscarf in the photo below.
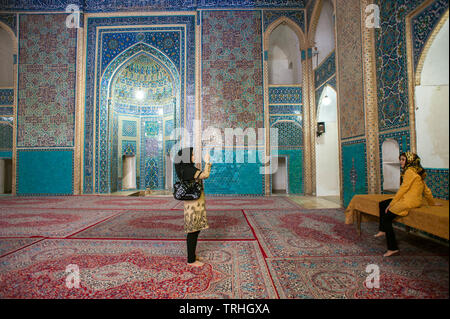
(184, 167)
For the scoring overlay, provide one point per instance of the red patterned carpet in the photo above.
(255, 248)
(169, 225)
(248, 203)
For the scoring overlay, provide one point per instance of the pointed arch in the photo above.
(102, 151)
(426, 49)
(294, 26)
(13, 37)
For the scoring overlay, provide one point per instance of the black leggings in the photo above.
(386, 224)
(191, 245)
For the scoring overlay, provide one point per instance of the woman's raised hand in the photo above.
(207, 157)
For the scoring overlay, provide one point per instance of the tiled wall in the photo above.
(354, 169)
(34, 176)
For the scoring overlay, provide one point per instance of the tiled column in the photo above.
(307, 171)
(371, 104)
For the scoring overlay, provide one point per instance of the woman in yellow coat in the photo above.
(413, 190)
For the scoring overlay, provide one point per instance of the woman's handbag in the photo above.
(187, 190)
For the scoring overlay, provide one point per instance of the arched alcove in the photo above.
(141, 107)
(327, 146)
(284, 56)
(324, 33)
(432, 103)
(390, 151)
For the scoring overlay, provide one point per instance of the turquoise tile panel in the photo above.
(295, 170)
(235, 178)
(45, 172)
(354, 169)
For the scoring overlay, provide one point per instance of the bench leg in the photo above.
(358, 222)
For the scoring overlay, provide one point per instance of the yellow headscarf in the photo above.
(412, 161)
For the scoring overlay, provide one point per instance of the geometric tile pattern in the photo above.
(437, 180)
(392, 64)
(47, 56)
(6, 111)
(232, 69)
(6, 96)
(297, 16)
(148, 5)
(423, 25)
(326, 70)
(6, 137)
(349, 60)
(10, 20)
(129, 128)
(354, 169)
(286, 109)
(290, 134)
(128, 148)
(285, 94)
(99, 177)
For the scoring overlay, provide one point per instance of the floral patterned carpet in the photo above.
(263, 248)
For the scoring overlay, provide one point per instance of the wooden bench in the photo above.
(430, 219)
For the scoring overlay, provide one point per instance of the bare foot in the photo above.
(196, 264)
(390, 253)
(197, 258)
(381, 233)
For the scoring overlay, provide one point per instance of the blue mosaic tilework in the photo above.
(6, 111)
(129, 109)
(235, 178)
(129, 128)
(44, 172)
(297, 16)
(390, 47)
(286, 109)
(6, 96)
(115, 152)
(309, 10)
(423, 25)
(331, 82)
(152, 149)
(290, 130)
(145, 5)
(186, 73)
(437, 181)
(295, 169)
(404, 144)
(286, 94)
(169, 127)
(6, 137)
(354, 169)
(128, 148)
(167, 42)
(10, 20)
(326, 70)
(5, 154)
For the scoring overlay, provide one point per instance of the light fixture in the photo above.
(139, 94)
(320, 128)
(326, 100)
